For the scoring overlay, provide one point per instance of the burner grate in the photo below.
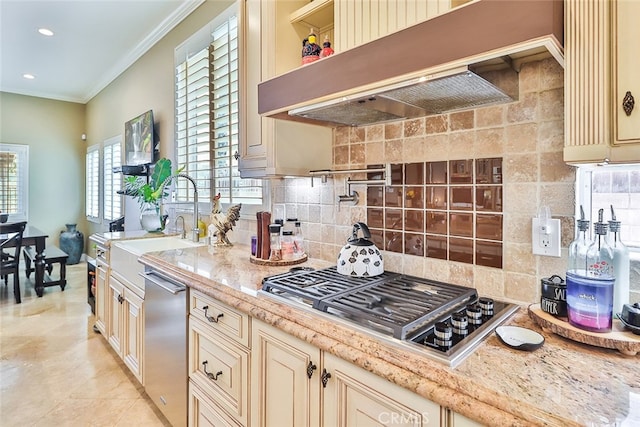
(400, 305)
(313, 286)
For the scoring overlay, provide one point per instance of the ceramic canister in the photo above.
(554, 296)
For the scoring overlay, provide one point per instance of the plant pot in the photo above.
(150, 218)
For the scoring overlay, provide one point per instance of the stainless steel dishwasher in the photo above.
(165, 340)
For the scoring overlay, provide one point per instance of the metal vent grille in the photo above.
(458, 91)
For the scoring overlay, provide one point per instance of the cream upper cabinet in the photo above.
(268, 147)
(626, 65)
(601, 67)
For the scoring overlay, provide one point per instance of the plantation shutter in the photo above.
(112, 181)
(14, 184)
(92, 192)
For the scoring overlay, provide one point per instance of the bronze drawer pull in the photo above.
(211, 318)
(325, 378)
(209, 374)
(310, 368)
(628, 103)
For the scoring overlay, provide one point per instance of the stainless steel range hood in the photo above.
(457, 90)
(441, 65)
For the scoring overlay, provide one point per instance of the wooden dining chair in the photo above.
(10, 247)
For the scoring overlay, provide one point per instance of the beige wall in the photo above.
(52, 130)
(147, 85)
(527, 134)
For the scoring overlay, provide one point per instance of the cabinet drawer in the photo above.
(204, 413)
(227, 368)
(220, 317)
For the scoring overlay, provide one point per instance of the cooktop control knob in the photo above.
(460, 324)
(486, 305)
(474, 313)
(443, 333)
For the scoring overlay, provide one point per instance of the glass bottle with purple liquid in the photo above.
(590, 289)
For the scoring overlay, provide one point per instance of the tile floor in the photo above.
(55, 370)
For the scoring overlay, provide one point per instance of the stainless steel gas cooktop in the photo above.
(441, 320)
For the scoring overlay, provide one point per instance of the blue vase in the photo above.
(72, 242)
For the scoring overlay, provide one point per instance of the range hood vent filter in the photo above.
(463, 90)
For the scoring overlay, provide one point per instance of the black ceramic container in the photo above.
(554, 296)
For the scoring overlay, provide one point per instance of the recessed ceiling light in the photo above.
(29, 76)
(45, 32)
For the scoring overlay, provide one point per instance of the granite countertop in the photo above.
(563, 383)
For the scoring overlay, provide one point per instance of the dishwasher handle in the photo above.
(163, 283)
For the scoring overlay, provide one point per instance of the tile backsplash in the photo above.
(523, 140)
(450, 210)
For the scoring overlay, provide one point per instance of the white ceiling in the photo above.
(94, 41)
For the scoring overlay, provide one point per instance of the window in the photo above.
(14, 181)
(92, 192)
(102, 185)
(207, 122)
(601, 187)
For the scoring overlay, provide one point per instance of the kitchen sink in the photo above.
(125, 253)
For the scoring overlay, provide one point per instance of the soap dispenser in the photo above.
(620, 265)
(578, 248)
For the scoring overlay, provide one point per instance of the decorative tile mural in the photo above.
(450, 210)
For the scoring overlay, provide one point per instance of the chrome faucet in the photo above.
(183, 235)
(195, 230)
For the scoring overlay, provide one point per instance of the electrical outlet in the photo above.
(545, 237)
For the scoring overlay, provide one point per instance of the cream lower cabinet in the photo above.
(125, 325)
(219, 357)
(295, 384)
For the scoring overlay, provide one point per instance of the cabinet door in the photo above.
(283, 395)
(116, 317)
(354, 397)
(102, 298)
(133, 336)
(626, 62)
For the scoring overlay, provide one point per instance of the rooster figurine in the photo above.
(223, 223)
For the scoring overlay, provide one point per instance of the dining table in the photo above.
(33, 236)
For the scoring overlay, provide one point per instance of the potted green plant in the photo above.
(149, 191)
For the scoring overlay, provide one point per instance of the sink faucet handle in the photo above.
(183, 235)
